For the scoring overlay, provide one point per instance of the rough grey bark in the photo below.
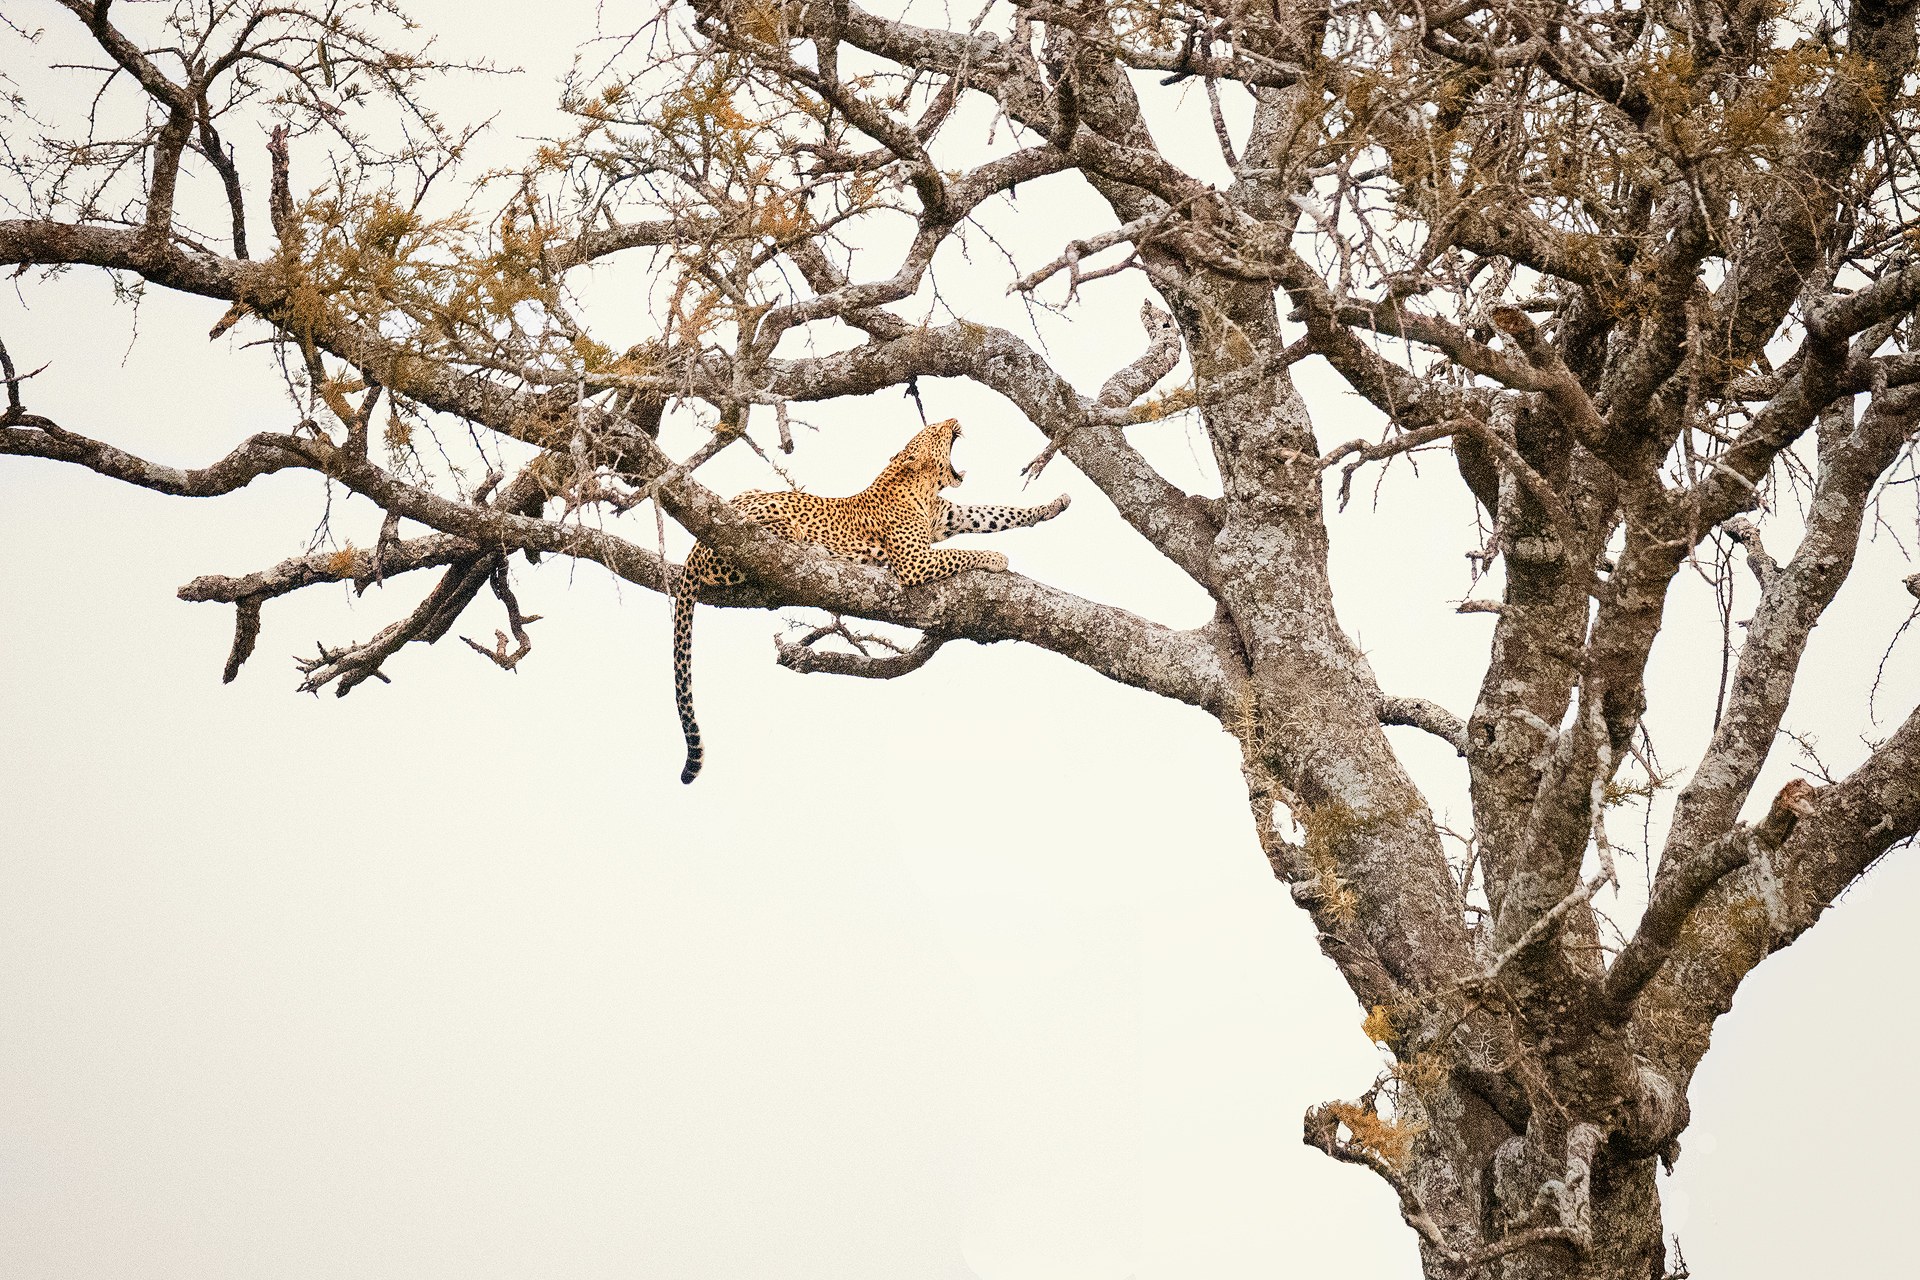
(1584, 228)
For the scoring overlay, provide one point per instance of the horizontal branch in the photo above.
(1864, 373)
(1448, 339)
(1196, 667)
(347, 565)
(1188, 666)
(594, 243)
(1077, 250)
(32, 436)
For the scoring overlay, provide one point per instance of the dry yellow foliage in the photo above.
(1391, 1140)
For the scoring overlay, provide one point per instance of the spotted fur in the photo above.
(893, 521)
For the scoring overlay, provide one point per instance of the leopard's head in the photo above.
(929, 455)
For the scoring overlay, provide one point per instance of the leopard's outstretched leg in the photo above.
(914, 562)
(950, 518)
(894, 520)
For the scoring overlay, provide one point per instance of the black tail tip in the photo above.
(689, 773)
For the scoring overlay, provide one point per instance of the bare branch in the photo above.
(1127, 385)
(801, 656)
(1792, 601)
(246, 632)
(1682, 884)
(1428, 716)
(429, 621)
(498, 655)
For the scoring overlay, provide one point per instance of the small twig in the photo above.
(487, 486)
(1541, 928)
(1127, 384)
(912, 393)
(14, 407)
(17, 411)
(1069, 259)
(786, 428)
(1385, 449)
(498, 655)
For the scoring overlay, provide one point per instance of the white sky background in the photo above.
(979, 972)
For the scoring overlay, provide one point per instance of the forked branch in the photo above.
(1680, 888)
(1570, 1196)
(801, 655)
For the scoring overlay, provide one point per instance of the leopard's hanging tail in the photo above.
(683, 675)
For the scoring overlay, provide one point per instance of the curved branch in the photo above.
(124, 52)
(595, 243)
(1448, 339)
(429, 621)
(802, 657)
(1767, 904)
(1418, 713)
(32, 436)
(1127, 385)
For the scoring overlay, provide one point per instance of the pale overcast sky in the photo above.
(978, 973)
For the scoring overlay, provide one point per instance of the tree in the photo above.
(1643, 271)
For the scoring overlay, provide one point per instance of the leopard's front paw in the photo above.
(994, 562)
(1055, 507)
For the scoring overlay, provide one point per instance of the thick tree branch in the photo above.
(1792, 601)
(347, 565)
(1684, 882)
(1428, 716)
(1768, 903)
(1189, 666)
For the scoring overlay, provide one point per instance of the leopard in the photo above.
(894, 521)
